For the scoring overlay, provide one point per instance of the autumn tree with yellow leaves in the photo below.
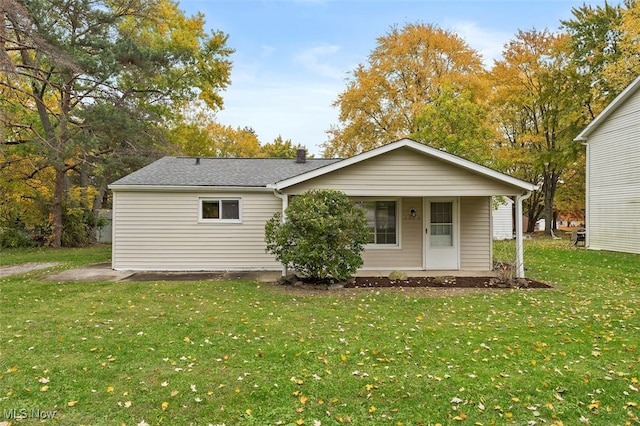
(87, 86)
(406, 71)
(626, 68)
(541, 111)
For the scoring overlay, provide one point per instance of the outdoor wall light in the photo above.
(412, 212)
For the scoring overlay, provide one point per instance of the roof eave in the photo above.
(187, 188)
(583, 136)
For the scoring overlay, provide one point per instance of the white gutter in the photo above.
(519, 243)
(187, 188)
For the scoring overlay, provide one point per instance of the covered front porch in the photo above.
(427, 211)
(432, 236)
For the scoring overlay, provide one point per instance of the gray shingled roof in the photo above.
(242, 172)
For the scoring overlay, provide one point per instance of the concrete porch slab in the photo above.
(385, 273)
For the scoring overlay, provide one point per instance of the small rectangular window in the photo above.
(219, 210)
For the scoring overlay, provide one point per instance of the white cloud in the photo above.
(315, 60)
(488, 42)
(267, 51)
(300, 110)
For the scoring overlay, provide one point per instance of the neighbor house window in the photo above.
(382, 220)
(219, 210)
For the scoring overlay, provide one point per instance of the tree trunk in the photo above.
(58, 196)
(533, 209)
(549, 188)
(96, 206)
(98, 200)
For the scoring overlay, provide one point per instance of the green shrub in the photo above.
(322, 236)
(14, 237)
(78, 226)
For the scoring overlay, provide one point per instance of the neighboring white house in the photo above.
(613, 174)
(503, 218)
(426, 209)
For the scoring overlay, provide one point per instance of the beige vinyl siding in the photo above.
(475, 234)
(475, 238)
(161, 231)
(613, 190)
(408, 254)
(404, 173)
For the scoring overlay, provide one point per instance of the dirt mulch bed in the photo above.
(439, 282)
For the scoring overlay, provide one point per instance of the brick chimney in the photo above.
(301, 156)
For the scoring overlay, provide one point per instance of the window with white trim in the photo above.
(382, 220)
(219, 210)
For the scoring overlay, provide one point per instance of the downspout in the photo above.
(519, 243)
(285, 204)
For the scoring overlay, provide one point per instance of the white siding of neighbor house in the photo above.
(613, 180)
(403, 173)
(475, 234)
(502, 218)
(160, 231)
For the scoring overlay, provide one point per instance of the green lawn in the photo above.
(200, 353)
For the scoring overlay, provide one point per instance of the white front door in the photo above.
(441, 234)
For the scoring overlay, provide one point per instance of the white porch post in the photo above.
(519, 243)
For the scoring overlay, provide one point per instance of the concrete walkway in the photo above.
(24, 268)
(103, 272)
(96, 272)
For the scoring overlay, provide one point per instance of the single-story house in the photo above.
(613, 174)
(426, 209)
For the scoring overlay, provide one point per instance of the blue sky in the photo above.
(293, 56)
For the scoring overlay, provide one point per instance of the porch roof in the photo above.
(520, 185)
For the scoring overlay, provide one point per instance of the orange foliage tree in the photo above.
(405, 72)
